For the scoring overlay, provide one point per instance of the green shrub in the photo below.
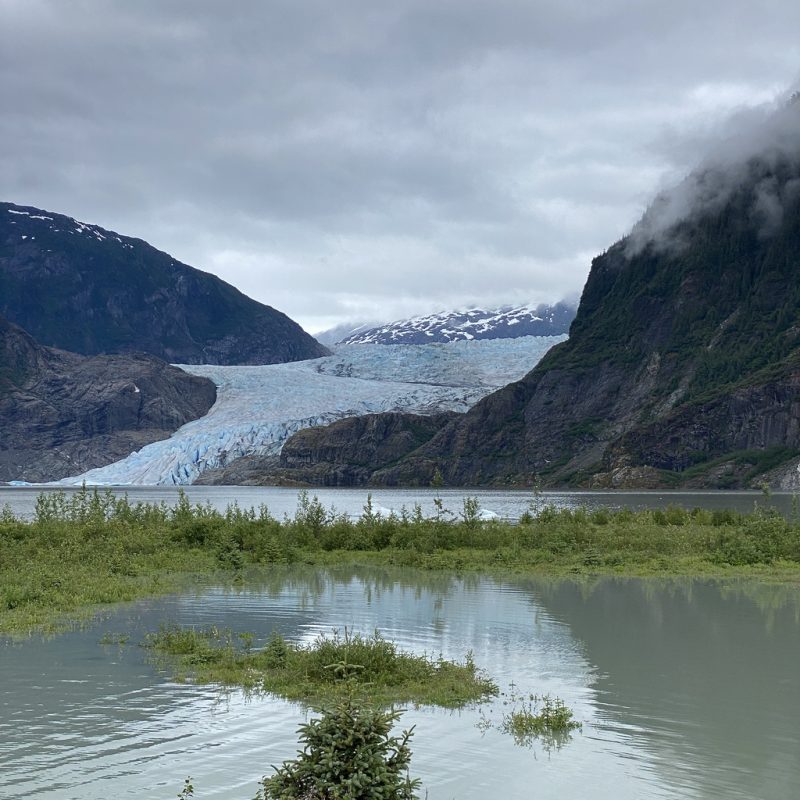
(348, 753)
(386, 674)
(724, 516)
(762, 538)
(542, 715)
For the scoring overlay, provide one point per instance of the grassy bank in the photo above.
(92, 549)
(326, 670)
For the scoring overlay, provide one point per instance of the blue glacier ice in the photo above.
(258, 408)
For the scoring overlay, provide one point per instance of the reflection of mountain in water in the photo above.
(704, 672)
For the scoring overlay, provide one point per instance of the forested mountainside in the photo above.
(682, 365)
(88, 290)
(63, 413)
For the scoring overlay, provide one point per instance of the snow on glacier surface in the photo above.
(258, 408)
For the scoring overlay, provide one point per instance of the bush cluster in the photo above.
(92, 548)
(318, 672)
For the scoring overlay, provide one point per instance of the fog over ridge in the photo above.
(751, 141)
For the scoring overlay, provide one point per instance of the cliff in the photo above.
(62, 413)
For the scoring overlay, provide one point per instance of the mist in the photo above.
(746, 148)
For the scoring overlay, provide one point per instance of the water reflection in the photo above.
(686, 688)
(703, 675)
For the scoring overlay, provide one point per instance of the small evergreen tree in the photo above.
(348, 754)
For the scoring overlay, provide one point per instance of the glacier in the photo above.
(259, 407)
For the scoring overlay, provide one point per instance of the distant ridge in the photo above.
(334, 335)
(88, 290)
(508, 322)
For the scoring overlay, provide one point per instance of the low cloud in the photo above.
(746, 144)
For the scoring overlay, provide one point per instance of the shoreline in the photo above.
(85, 552)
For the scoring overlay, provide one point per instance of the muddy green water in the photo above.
(686, 689)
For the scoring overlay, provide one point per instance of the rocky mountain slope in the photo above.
(88, 290)
(683, 362)
(345, 453)
(509, 322)
(62, 413)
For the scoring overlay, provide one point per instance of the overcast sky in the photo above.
(359, 159)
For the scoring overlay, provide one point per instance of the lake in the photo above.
(685, 688)
(509, 504)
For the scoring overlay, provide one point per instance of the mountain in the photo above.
(682, 367)
(88, 290)
(63, 413)
(508, 322)
(337, 334)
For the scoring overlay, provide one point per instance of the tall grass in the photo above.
(94, 548)
(371, 666)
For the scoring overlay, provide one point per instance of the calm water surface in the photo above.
(509, 504)
(686, 689)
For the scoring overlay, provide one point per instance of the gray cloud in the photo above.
(739, 149)
(354, 159)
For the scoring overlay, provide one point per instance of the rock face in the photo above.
(509, 322)
(345, 453)
(682, 367)
(84, 289)
(62, 413)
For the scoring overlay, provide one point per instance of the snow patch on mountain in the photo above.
(258, 408)
(80, 228)
(508, 322)
(332, 336)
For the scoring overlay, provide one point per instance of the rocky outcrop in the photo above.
(88, 290)
(755, 417)
(347, 452)
(62, 413)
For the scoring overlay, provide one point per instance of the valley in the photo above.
(258, 408)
